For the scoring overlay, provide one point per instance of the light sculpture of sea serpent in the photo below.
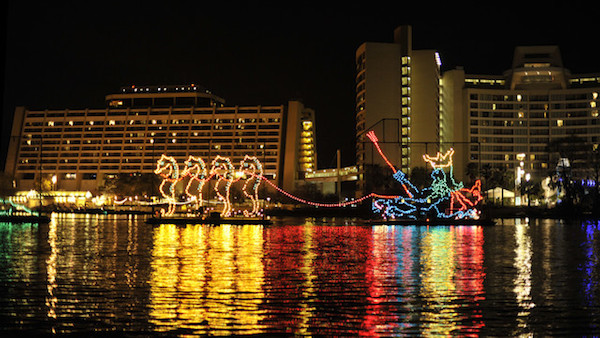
(195, 169)
(168, 169)
(252, 168)
(224, 171)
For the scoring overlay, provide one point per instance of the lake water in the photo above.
(116, 274)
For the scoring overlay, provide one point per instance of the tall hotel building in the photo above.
(82, 148)
(510, 119)
(398, 97)
(505, 120)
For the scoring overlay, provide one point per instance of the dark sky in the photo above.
(70, 54)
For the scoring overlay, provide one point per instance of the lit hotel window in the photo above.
(559, 123)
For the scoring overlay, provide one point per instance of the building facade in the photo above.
(79, 149)
(518, 119)
(398, 97)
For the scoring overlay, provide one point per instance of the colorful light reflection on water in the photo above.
(110, 273)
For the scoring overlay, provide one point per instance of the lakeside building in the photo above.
(79, 149)
(397, 96)
(509, 120)
(504, 121)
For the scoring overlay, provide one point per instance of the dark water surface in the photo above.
(116, 274)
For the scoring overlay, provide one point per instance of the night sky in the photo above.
(63, 54)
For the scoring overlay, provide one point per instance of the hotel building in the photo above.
(505, 120)
(510, 119)
(80, 149)
(397, 96)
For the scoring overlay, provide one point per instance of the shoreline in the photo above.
(487, 212)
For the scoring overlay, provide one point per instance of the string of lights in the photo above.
(223, 169)
(327, 205)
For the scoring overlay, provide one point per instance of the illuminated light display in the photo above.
(195, 168)
(328, 205)
(251, 170)
(224, 171)
(196, 172)
(371, 135)
(443, 198)
(250, 165)
(17, 207)
(168, 169)
(436, 162)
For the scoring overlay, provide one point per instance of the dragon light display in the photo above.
(443, 198)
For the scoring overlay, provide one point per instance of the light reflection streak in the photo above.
(438, 288)
(207, 279)
(547, 256)
(522, 281)
(51, 285)
(307, 308)
(409, 258)
(381, 317)
(590, 266)
(469, 282)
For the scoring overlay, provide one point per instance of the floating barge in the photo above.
(208, 220)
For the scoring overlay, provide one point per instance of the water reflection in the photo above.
(51, 271)
(522, 280)
(207, 278)
(591, 280)
(106, 273)
(438, 264)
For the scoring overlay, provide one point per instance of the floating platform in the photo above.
(24, 219)
(208, 220)
(432, 222)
